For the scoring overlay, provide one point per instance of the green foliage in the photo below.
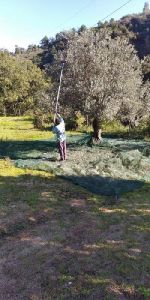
(145, 292)
(21, 82)
(113, 126)
(79, 119)
(76, 122)
(144, 127)
(147, 129)
(41, 120)
(38, 121)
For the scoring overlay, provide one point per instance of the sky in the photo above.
(25, 22)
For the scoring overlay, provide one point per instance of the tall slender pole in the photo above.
(58, 93)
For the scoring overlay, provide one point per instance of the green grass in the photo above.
(20, 129)
(68, 243)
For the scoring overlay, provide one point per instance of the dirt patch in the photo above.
(77, 203)
(19, 217)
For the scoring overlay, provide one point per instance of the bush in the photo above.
(80, 120)
(145, 127)
(113, 126)
(38, 121)
(70, 124)
(76, 122)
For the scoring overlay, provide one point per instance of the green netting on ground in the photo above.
(111, 168)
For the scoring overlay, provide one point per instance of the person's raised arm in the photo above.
(60, 117)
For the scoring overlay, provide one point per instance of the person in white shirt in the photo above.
(59, 129)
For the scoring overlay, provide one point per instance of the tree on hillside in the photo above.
(116, 29)
(146, 8)
(44, 42)
(82, 28)
(19, 50)
(21, 83)
(51, 49)
(102, 74)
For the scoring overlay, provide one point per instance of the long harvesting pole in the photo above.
(58, 93)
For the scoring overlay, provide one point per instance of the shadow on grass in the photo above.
(19, 149)
(106, 186)
(80, 249)
(124, 135)
(22, 149)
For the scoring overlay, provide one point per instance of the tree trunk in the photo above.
(4, 111)
(87, 120)
(96, 139)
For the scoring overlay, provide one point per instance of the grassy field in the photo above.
(59, 241)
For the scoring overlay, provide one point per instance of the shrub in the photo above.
(145, 127)
(79, 120)
(113, 126)
(38, 121)
(76, 122)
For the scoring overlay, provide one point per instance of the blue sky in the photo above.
(24, 22)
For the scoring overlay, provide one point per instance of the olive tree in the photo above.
(101, 76)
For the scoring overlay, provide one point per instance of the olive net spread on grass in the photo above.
(111, 168)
